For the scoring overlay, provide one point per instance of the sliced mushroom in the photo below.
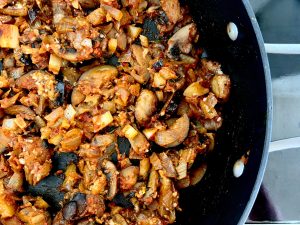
(96, 77)
(197, 174)
(182, 39)
(144, 168)
(145, 106)
(176, 133)
(111, 172)
(71, 55)
(21, 110)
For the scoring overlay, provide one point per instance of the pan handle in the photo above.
(284, 144)
(288, 49)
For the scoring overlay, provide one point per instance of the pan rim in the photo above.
(269, 113)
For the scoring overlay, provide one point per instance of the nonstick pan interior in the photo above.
(220, 198)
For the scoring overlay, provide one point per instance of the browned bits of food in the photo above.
(128, 177)
(172, 9)
(99, 83)
(36, 159)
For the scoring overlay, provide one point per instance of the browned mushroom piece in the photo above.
(111, 171)
(145, 106)
(93, 80)
(182, 39)
(175, 134)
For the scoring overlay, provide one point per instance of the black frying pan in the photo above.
(220, 198)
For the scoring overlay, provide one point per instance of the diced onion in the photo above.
(54, 64)
(144, 167)
(115, 13)
(20, 122)
(112, 45)
(7, 208)
(160, 95)
(195, 90)
(144, 41)
(70, 112)
(150, 132)
(181, 170)
(158, 81)
(155, 161)
(9, 36)
(167, 73)
(97, 17)
(102, 121)
(129, 131)
(55, 140)
(134, 31)
(9, 124)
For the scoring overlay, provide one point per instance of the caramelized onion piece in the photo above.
(71, 140)
(168, 199)
(167, 165)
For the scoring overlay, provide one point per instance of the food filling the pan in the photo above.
(108, 109)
